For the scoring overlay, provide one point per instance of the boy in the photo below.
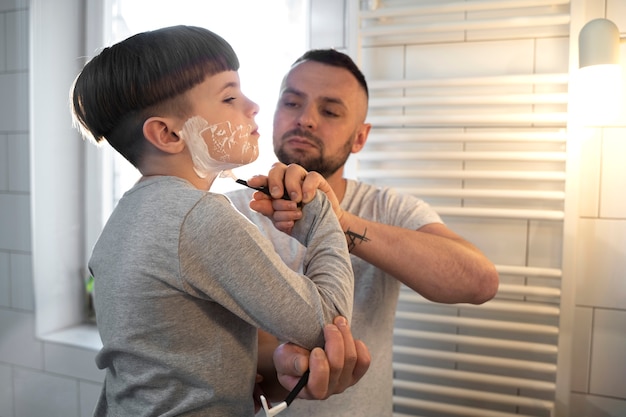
(183, 280)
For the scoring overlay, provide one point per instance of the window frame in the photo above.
(68, 174)
(66, 186)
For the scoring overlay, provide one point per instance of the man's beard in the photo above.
(325, 166)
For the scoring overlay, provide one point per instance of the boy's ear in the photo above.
(160, 132)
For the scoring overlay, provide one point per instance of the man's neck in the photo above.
(338, 183)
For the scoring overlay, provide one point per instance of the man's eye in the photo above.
(330, 113)
(229, 99)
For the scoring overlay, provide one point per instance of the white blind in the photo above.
(482, 150)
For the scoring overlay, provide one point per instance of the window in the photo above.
(74, 191)
(267, 37)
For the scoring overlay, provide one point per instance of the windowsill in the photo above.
(83, 336)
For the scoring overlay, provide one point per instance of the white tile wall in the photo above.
(41, 394)
(601, 271)
(18, 164)
(510, 250)
(89, 394)
(590, 166)
(612, 204)
(592, 406)
(581, 355)
(22, 291)
(608, 354)
(15, 222)
(14, 103)
(4, 163)
(468, 59)
(71, 361)
(16, 32)
(6, 391)
(543, 248)
(7, 5)
(18, 345)
(5, 280)
(552, 55)
(327, 23)
(3, 46)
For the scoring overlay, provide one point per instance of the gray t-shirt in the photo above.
(375, 296)
(183, 281)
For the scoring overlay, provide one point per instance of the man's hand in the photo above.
(338, 366)
(301, 187)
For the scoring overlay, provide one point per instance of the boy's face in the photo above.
(222, 133)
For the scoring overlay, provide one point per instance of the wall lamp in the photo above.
(600, 79)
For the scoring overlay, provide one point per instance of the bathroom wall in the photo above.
(56, 379)
(36, 378)
(599, 365)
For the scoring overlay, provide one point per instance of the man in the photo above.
(319, 121)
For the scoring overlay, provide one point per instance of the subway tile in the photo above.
(16, 29)
(581, 348)
(600, 276)
(608, 357)
(509, 251)
(17, 339)
(18, 163)
(5, 279)
(15, 222)
(72, 361)
(590, 166)
(41, 394)
(89, 394)
(4, 162)
(3, 50)
(6, 391)
(545, 244)
(616, 11)
(22, 290)
(469, 59)
(14, 102)
(592, 406)
(613, 204)
(6, 5)
(327, 23)
(383, 63)
(552, 55)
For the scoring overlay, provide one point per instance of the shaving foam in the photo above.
(225, 139)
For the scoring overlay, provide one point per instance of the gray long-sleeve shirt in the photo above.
(183, 280)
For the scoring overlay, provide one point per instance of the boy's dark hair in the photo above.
(335, 58)
(142, 77)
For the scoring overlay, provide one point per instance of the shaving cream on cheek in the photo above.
(230, 147)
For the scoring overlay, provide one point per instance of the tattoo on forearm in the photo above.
(355, 238)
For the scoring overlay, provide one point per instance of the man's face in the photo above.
(319, 117)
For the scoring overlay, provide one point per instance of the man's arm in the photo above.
(338, 366)
(433, 260)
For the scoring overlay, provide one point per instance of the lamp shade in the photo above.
(598, 43)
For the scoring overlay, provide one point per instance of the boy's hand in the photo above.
(301, 187)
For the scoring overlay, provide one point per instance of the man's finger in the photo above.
(363, 360)
(317, 387)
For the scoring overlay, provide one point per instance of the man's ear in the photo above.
(361, 137)
(160, 132)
